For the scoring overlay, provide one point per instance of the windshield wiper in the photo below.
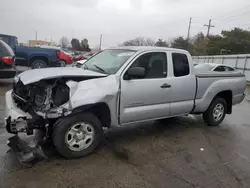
(100, 69)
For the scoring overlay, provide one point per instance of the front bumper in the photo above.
(14, 117)
(7, 73)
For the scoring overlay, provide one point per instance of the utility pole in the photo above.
(100, 46)
(36, 35)
(189, 27)
(209, 27)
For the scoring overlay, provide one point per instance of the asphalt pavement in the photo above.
(180, 152)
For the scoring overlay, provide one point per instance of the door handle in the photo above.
(165, 85)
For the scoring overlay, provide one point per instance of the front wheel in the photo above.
(216, 112)
(77, 135)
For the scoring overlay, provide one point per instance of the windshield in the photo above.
(108, 61)
(204, 67)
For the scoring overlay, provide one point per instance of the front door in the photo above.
(149, 97)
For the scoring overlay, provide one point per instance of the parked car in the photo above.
(114, 88)
(78, 57)
(66, 57)
(79, 63)
(195, 63)
(214, 67)
(36, 57)
(7, 59)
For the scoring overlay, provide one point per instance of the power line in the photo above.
(232, 13)
(234, 18)
(209, 27)
(240, 15)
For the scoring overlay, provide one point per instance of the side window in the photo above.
(155, 64)
(229, 69)
(5, 39)
(180, 64)
(219, 69)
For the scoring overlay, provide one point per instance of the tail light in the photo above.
(7, 60)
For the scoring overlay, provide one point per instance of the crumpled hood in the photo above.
(36, 75)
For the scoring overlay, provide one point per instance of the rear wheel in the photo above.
(62, 63)
(38, 64)
(77, 135)
(216, 112)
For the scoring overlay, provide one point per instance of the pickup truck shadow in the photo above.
(161, 128)
(115, 139)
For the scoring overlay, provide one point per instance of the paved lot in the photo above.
(182, 152)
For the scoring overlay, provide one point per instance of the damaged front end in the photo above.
(32, 107)
(42, 98)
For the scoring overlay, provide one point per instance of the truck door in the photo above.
(183, 82)
(149, 97)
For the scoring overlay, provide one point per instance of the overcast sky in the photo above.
(118, 20)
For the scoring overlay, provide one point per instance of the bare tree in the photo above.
(64, 42)
(139, 41)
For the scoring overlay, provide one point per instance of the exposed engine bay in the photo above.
(41, 96)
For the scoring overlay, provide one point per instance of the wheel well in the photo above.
(44, 58)
(228, 96)
(101, 110)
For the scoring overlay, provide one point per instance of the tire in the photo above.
(211, 117)
(62, 63)
(38, 64)
(62, 136)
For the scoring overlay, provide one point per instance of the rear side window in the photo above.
(180, 64)
(5, 39)
(220, 69)
(5, 49)
(229, 69)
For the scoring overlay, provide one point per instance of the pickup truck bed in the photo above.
(232, 83)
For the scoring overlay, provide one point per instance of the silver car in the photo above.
(214, 67)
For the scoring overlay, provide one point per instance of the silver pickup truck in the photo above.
(114, 88)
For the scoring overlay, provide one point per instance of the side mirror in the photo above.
(135, 72)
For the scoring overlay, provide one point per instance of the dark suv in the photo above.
(7, 59)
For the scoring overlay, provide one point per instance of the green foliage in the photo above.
(75, 43)
(180, 43)
(80, 46)
(235, 41)
(199, 43)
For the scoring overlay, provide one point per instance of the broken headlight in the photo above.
(60, 94)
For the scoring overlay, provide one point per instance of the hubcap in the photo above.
(80, 136)
(218, 112)
(39, 65)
